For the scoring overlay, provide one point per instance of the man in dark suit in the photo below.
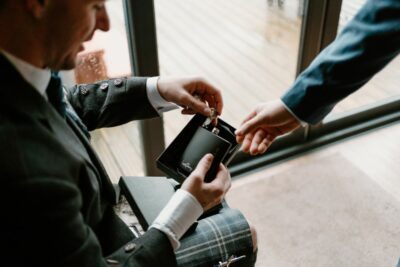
(56, 198)
(365, 46)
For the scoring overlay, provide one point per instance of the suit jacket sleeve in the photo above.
(367, 44)
(112, 102)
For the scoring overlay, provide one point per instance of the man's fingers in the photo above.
(250, 116)
(259, 136)
(214, 102)
(225, 176)
(263, 147)
(247, 142)
(221, 182)
(239, 139)
(208, 93)
(204, 165)
(219, 105)
(265, 143)
(212, 95)
(239, 133)
(250, 125)
(188, 111)
(192, 103)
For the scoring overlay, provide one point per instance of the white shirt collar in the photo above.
(38, 78)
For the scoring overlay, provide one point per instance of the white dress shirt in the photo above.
(38, 78)
(183, 208)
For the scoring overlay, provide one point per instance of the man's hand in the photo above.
(208, 194)
(260, 128)
(193, 94)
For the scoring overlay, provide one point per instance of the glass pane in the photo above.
(385, 85)
(107, 56)
(247, 48)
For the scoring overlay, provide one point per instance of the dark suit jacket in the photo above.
(55, 196)
(366, 45)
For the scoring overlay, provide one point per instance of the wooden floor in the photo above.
(377, 156)
(247, 48)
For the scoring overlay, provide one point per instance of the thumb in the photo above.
(204, 164)
(222, 176)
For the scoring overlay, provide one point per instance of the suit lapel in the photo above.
(19, 95)
(104, 181)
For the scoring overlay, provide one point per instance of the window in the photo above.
(384, 86)
(247, 48)
(107, 56)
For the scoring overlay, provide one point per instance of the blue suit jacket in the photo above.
(366, 45)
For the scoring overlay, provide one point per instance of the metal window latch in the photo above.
(232, 259)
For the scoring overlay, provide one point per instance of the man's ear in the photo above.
(36, 7)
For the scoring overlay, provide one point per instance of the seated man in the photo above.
(56, 197)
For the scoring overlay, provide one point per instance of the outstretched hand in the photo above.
(194, 94)
(266, 122)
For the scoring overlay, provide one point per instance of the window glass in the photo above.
(107, 56)
(246, 48)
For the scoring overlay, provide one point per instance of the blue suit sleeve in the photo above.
(366, 45)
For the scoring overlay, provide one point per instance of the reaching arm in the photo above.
(366, 45)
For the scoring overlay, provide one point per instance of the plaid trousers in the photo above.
(217, 238)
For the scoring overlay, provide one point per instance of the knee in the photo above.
(253, 237)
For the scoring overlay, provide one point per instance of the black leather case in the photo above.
(192, 143)
(147, 196)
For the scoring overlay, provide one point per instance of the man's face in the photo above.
(68, 24)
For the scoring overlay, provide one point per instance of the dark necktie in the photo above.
(55, 94)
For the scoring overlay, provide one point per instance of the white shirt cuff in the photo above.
(156, 100)
(303, 123)
(178, 215)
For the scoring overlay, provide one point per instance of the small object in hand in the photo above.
(215, 130)
(214, 116)
(212, 120)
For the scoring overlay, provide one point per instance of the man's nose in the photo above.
(102, 20)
